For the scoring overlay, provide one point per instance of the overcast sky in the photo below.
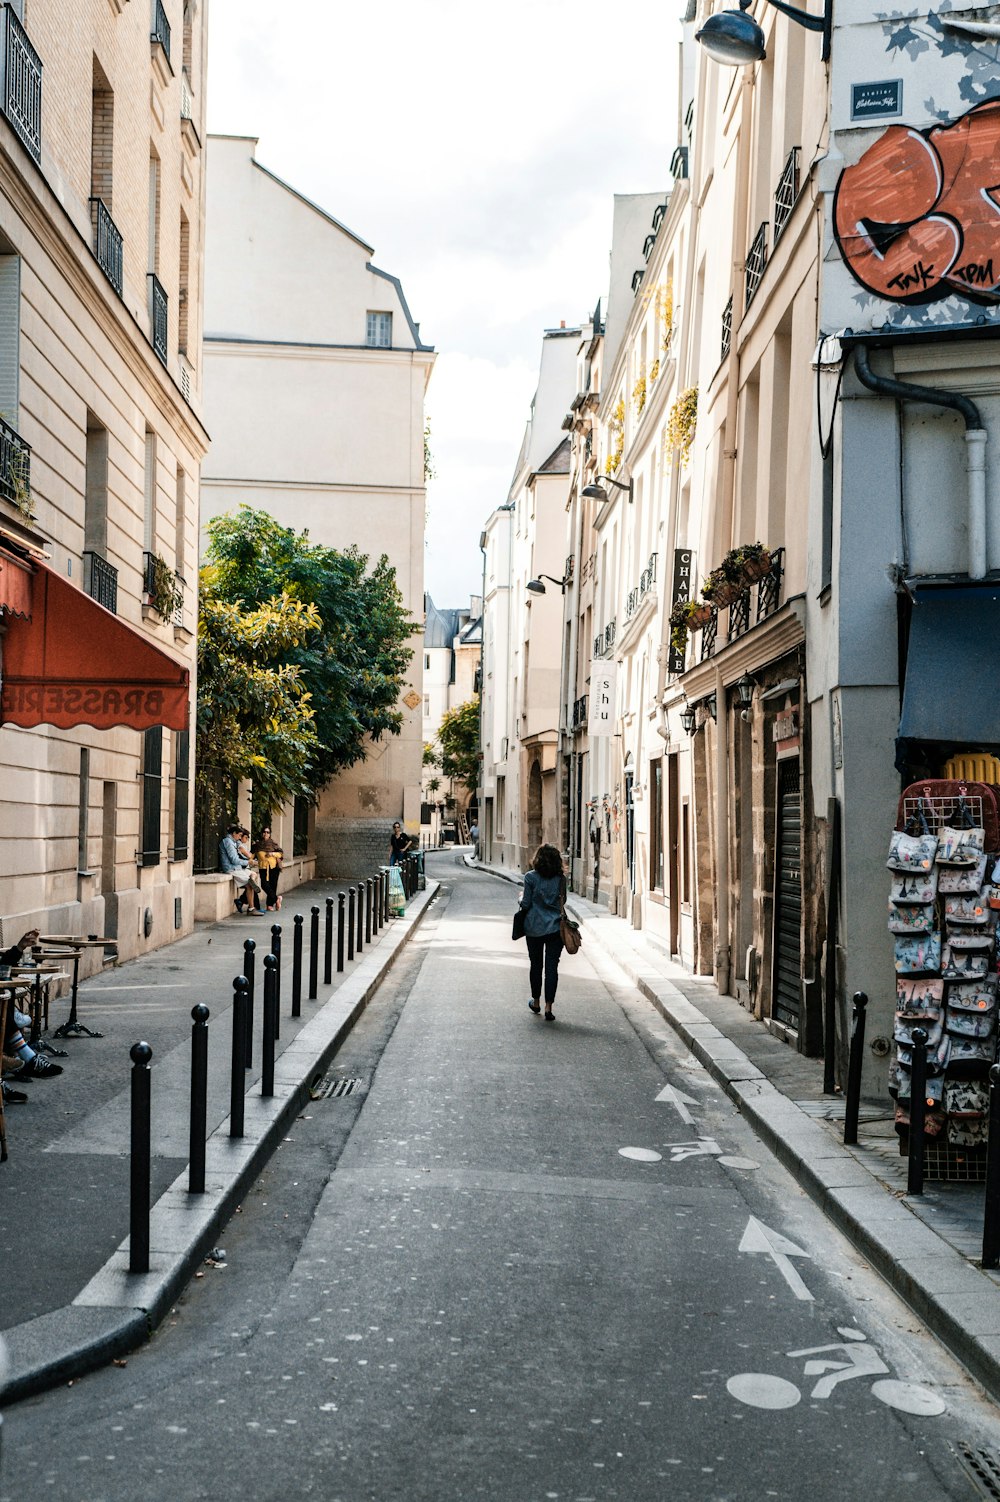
(477, 148)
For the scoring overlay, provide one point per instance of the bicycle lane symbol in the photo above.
(858, 1360)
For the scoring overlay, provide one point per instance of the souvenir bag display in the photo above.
(909, 918)
(966, 956)
(967, 911)
(912, 852)
(918, 954)
(959, 846)
(914, 886)
(966, 879)
(919, 999)
(967, 1104)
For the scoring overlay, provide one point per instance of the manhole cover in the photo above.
(984, 1468)
(326, 1087)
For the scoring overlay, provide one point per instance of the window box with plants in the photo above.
(685, 617)
(161, 591)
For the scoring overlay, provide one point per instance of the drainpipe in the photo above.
(975, 438)
(722, 945)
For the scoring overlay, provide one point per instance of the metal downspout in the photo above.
(975, 438)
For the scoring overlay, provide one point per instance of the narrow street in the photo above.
(507, 1267)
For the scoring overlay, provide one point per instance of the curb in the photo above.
(119, 1310)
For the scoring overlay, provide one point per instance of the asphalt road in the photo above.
(504, 1268)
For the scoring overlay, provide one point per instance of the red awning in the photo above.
(74, 663)
(15, 586)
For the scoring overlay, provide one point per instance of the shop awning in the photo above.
(950, 693)
(15, 585)
(74, 663)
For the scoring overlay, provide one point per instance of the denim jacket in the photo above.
(542, 905)
(229, 857)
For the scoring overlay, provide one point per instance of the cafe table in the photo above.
(70, 947)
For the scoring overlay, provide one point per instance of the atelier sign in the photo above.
(876, 101)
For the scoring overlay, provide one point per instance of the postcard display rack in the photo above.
(944, 903)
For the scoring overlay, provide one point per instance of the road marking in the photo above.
(679, 1101)
(702, 1147)
(909, 1398)
(763, 1391)
(760, 1238)
(641, 1154)
(738, 1163)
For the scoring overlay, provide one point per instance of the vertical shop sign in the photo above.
(681, 590)
(603, 688)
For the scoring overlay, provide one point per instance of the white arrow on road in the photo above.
(760, 1238)
(679, 1101)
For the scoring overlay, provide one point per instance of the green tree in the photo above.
(255, 719)
(458, 738)
(353, 664)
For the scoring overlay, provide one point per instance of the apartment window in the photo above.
(427, 662)
(152, 781)
(300, 826)
(686, 853)
(378, 334)
(10, 336)
(180, 519)
(84, 807)
(153, 221)
(181, 784)
(95, 516)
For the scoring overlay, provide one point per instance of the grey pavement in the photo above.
(927, 1247)
(64, 1190)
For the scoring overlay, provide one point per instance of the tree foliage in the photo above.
(458, 738)
(351, 661)
(255, 719)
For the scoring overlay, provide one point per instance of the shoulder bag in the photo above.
(569, 931)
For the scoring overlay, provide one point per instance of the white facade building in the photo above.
(315, 376)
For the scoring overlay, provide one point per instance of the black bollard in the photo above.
(237, 1084)
(270, 1025)
(855, 1059)
(368, 910)
(138, 1220)
(328, 944)
(199, 1100)
(918, 1112)
(276, 951)
(350, 923)
(991, 1219)
(377, 898)
(314, 954)
(297, 966)
(385, 894)
(249, 968)
(359, 938)
(341, 899)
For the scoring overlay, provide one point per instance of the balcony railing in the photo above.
(648, 576)
(589, 568)
(22, 84)
(599, 644)
(158, 316)
(180, 584)
(101, 581)
(786, 192)
(756, 262)
(609, 636)
(107, 244)
(631, 603)
(160, 29)
(580, 712)
(15, 467)
(187, 103)
(570, 566)
(727, 328)
(745, 612)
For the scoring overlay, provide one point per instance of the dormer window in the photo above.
(378, 334)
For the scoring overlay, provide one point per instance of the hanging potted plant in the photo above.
(755, 561)
(723, 585)
(685, 617)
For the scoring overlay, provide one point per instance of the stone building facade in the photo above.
(101, 443)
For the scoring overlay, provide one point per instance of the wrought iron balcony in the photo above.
(648, 576)
(609, 636)
(160, 30)
(570, 565)
(100, 580)
(727, 328)
(599, 644)
(580, 712)
(15, 466)
(22, 84)
(679, 162)
(107, 244)
(180, 585)
(631, 603)
(187, 103)
(746, 612)
(756, 262)
(786, 192)
(158, 316)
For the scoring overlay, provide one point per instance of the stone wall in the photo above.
(349, 848)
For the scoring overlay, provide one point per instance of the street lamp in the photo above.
(712, 705)
(596, 492)
(744, 694)
(688, 717)
(734, 38)
(538, 588)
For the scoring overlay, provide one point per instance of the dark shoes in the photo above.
(37, 1068)
(534, 1006)
(13, 1097)
(550, 1016)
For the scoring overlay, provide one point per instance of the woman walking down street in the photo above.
(542, 900)
(269, 857)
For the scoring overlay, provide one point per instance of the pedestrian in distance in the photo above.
(234, 861)
(399, 844)
(269, 863)
(541, 902)
(474, 839)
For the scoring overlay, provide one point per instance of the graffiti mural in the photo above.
(917, 219)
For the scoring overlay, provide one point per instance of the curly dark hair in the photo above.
(547, 861)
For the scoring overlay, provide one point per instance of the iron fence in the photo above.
(756, 262)
(22, 85)
(101, 581)
(108, 244)
(158, 316)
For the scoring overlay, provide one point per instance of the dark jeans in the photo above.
(547, 948)
(269, 881)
